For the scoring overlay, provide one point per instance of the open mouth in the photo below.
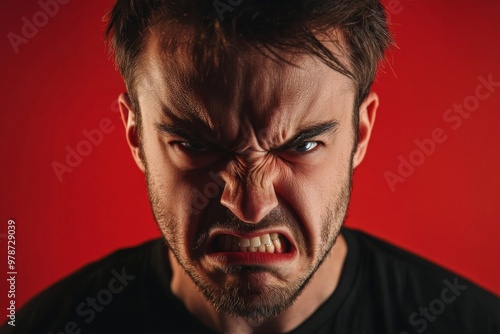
(274, 243)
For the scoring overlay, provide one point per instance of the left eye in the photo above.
(306, 146)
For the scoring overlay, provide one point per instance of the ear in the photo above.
(129, 118)
(367, 112)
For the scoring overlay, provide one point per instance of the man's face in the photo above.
(258, 153)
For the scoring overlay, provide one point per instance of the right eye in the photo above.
(191, 147)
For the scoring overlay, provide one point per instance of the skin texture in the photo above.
(240, 123)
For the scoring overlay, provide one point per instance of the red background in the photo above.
(62, 82)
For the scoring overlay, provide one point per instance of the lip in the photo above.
(251, 258)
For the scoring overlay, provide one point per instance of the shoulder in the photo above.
(80, 298)
(426, 293)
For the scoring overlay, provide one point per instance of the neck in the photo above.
(320, 288)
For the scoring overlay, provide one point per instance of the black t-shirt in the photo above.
(382, 289)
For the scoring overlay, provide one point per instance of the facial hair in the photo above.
(247, 298)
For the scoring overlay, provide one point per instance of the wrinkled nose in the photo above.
(249, 197)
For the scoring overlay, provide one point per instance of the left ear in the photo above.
(367, 112)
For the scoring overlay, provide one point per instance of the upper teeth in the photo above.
(269, 243)
(257, 241)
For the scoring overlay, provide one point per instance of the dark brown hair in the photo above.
(217, 28)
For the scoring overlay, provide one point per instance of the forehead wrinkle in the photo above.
(218, 98)
(182, 99)
(245, 92)
(261, 94)
(265, 90)
(215, 98)
(154, 80)
(293, 94)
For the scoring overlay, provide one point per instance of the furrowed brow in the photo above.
(187, 134)
(182, 110)
(184, 124)
(311, 132)
(176, 130)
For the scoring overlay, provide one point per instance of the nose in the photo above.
(249, 197)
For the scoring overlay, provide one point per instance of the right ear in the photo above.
(129, 118)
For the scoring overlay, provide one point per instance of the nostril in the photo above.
(249, 205)
(254, 211)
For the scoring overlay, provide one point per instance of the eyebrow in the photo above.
(310, 132)
(182, 132)
(182, 124)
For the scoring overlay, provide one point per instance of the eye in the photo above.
(194, 154)
(306, 146)
(193, 147)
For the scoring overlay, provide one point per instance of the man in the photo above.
(248, 119)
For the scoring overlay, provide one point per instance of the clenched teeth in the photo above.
(266, 243)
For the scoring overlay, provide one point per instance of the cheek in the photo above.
(172, 188)
(181, 194)
(310, 191)
(316, 184)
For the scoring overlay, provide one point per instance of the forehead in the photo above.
(245, 87)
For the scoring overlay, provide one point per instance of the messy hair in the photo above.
(218, 29)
